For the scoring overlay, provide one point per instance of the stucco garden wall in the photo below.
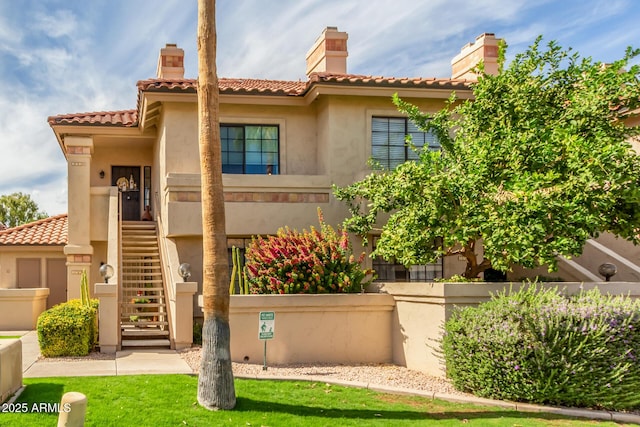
(20, 308)
(10, 367)
(421, 309)
(398, 323)
(353, 328)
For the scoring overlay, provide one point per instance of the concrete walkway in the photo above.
(128, 362)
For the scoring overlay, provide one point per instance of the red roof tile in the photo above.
(129, 118)
(257, 86)
(50, 231)
(399, 82)
(124, 118)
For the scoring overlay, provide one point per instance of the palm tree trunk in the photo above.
(215, 384)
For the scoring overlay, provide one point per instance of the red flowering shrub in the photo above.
(307, 262)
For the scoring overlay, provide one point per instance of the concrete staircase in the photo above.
(143, 311)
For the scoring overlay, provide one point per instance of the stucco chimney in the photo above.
(171, 62)
(484, 49)
(329, 53)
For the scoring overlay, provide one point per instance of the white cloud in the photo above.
(60, 23)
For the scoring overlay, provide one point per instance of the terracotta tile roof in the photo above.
(256, 86)
(284, 87)
(50, 231)
(398, 82)
(124, 118)
(129, 118)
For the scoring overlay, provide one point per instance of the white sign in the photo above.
(267, 325)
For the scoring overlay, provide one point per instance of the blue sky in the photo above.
(68, 56)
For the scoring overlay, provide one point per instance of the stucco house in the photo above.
(134, 177)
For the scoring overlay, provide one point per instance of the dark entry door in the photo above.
(127, 179)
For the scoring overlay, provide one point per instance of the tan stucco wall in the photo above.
(20, 308)
(121, 151)
(344, 328)
(10, 367)
(8, 262)
(423, 308)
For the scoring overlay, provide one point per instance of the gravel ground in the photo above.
(372, 374)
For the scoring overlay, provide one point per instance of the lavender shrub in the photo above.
(536, 345)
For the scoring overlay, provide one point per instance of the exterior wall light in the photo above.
(106, 271)
(101, 173)
(185, 271)
(607, 270)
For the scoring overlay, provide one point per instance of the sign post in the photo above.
(266, 329)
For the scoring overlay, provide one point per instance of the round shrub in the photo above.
(68, 329)
(536, 345)
(307, 262)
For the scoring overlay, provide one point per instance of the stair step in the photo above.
(145, 314)
(125, 323)
(138, 252)
(143, 289)
(133, 267)
(146, 343)
(133, 262)
(139, 224)
(141, 280)
(145, 274)
(145, 332)
(143, 304)
(136, 292)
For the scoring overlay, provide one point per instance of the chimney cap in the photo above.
(329, 52)
(171, 62)
(484, 49)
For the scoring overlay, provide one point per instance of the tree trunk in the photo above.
(473, 269)
(215, 384)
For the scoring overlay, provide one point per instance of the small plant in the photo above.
(536, 345)
(238, 274)
(311, 262)
(84, 289)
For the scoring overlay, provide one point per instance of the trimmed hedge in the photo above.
(68, 329)
(538, 346)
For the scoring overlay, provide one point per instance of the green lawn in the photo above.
(9, 337)
(170, 400)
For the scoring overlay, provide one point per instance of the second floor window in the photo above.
(250, 149)
(388, 146)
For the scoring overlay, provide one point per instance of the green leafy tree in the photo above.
(18, 208)
(535, 165)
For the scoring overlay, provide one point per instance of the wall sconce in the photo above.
(185, 271)
(106, 271)
(607, 270)
(101, 173)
